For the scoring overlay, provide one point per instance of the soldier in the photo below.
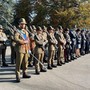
(39, 51)
(3, 38)
(0, 55)
(32, 47)
(13, 53)
(87, 42)
(73, 44)
(68, 45)
(61, 46)
(83, 42)
(51, 47)
(21, 48)
(78, 42)
(44, 34)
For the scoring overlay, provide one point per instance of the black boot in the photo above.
(49, 67)
(43, 70)
(30, 65)
(18, 80)
(37, 72)
(4, 64)
(26, 76)
(54, 66)
(59, 64)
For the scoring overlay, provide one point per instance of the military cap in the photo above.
(39, 28)
(60, 27)
(44, 28)
(78, 30)
(83, 30)
(1, 27)
(66, 29)
(33, 26)
(50, 28)
(22, 20)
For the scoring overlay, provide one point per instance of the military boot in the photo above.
(49, 67)
(26, 76)
(4, 64)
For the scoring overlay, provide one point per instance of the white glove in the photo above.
(29, 51)
(4, 39)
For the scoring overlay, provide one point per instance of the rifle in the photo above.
(51, 38)
(43, 46)
(16, 30)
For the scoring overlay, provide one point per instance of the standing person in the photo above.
(51, 47)
(44, 34)
(87, 41)
(61, 46)
(32, 46)
(3, 38)
(78, 42)
(68, 45)
(39, 51)
(73, 44)
(13, 53)
(83, 42)
(22, 48)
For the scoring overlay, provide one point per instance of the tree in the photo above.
(55, 12)
(84, 15)
(7, 10)
(23, 8)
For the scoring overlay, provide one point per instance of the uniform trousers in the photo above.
(21, 58)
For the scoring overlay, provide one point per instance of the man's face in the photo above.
(22, 25)
(61, 30)
(67, 31)
(51, 31)
(39, 32)
(1, 30)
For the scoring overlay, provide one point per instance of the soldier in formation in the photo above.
(22, 48)
(39, 50)
(43, 42)
(3, 39)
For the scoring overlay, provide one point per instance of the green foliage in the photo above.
(55, 12)
(23, 9)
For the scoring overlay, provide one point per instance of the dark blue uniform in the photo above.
(83, 42)
(73, 44)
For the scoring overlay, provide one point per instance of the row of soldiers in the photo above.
(38, 43)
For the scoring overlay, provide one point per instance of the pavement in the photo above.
(74, 75)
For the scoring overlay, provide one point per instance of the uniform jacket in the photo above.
(52, 41)
(39, 43)
(73, 37)
(21, 47)
(61, 39)
(3, 38)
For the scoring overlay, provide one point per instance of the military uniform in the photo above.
(61, 46)
(68, 45)
(73, 44)
(51, 47)
(39, 51)
(83, 42)
(21, 48)
(32, 47)
(78, 42)
(13, 53)
(44, 34)
(87, 42)
(3, 39)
